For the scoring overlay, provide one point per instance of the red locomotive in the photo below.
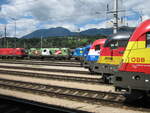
(134, 72)
(111, 55)
(12, 52)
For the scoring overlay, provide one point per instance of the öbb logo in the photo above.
(137, 59)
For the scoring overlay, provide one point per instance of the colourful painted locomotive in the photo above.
(86, 50)
(57, 53)
(78, 53)
(133, 75)
(111, 55)
(62, 53)
(94, 53)
(85, 53)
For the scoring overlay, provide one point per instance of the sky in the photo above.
(75, 15)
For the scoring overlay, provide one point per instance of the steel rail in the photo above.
(63, 92)
(55, 77)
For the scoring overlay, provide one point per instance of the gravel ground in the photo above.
(67, 103)
(57, 101)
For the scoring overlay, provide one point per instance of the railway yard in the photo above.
(61, 85)
(74, 56)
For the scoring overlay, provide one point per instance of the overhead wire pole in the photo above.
(115, 24)
(141, 18)
(41, 42)
(15, 32)
(2, 34)
(115, 15)
(5, 34)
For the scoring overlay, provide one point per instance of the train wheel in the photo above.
(106, 78)
(14, 58)
(91, 71)
(134, 96)
(81, 63)
(76, 59)
(68, 58)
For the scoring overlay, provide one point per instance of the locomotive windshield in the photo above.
(117, 40)
(97, 47)
(116, 43)
(23, 51)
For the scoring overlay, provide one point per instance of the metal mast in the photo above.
(41, 41)
(5, 34)
(15, 45)
(115, 23)
(15, 33)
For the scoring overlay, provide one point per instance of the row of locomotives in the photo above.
(85, 53)
(12, 53)
(62, 53)
(93, 54)
(111, 56)
(34, 53)
(56, 53)
(133, 75)
(78, 53)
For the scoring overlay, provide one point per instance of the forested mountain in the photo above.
(63, 32)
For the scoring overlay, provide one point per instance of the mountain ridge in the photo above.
(62, 32)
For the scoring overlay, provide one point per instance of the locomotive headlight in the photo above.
(137, 77)
(146, 80)
(112, 68)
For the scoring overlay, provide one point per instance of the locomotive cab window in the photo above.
(50, 52)
(97, 47)
(148, 39)
(114, 44)
(88, 49)
(23, 51)
(122, 43)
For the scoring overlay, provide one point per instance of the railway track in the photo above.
(43, 63)
(54, 77)
(81, 95)
(46, 69)
(63, 92)
(39, 60)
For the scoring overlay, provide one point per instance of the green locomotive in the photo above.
(56, 53)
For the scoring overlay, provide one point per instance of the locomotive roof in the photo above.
(120, 36)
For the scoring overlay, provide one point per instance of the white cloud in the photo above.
(100, 25)
(23, 27)
(69, 26)
(65, 13)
